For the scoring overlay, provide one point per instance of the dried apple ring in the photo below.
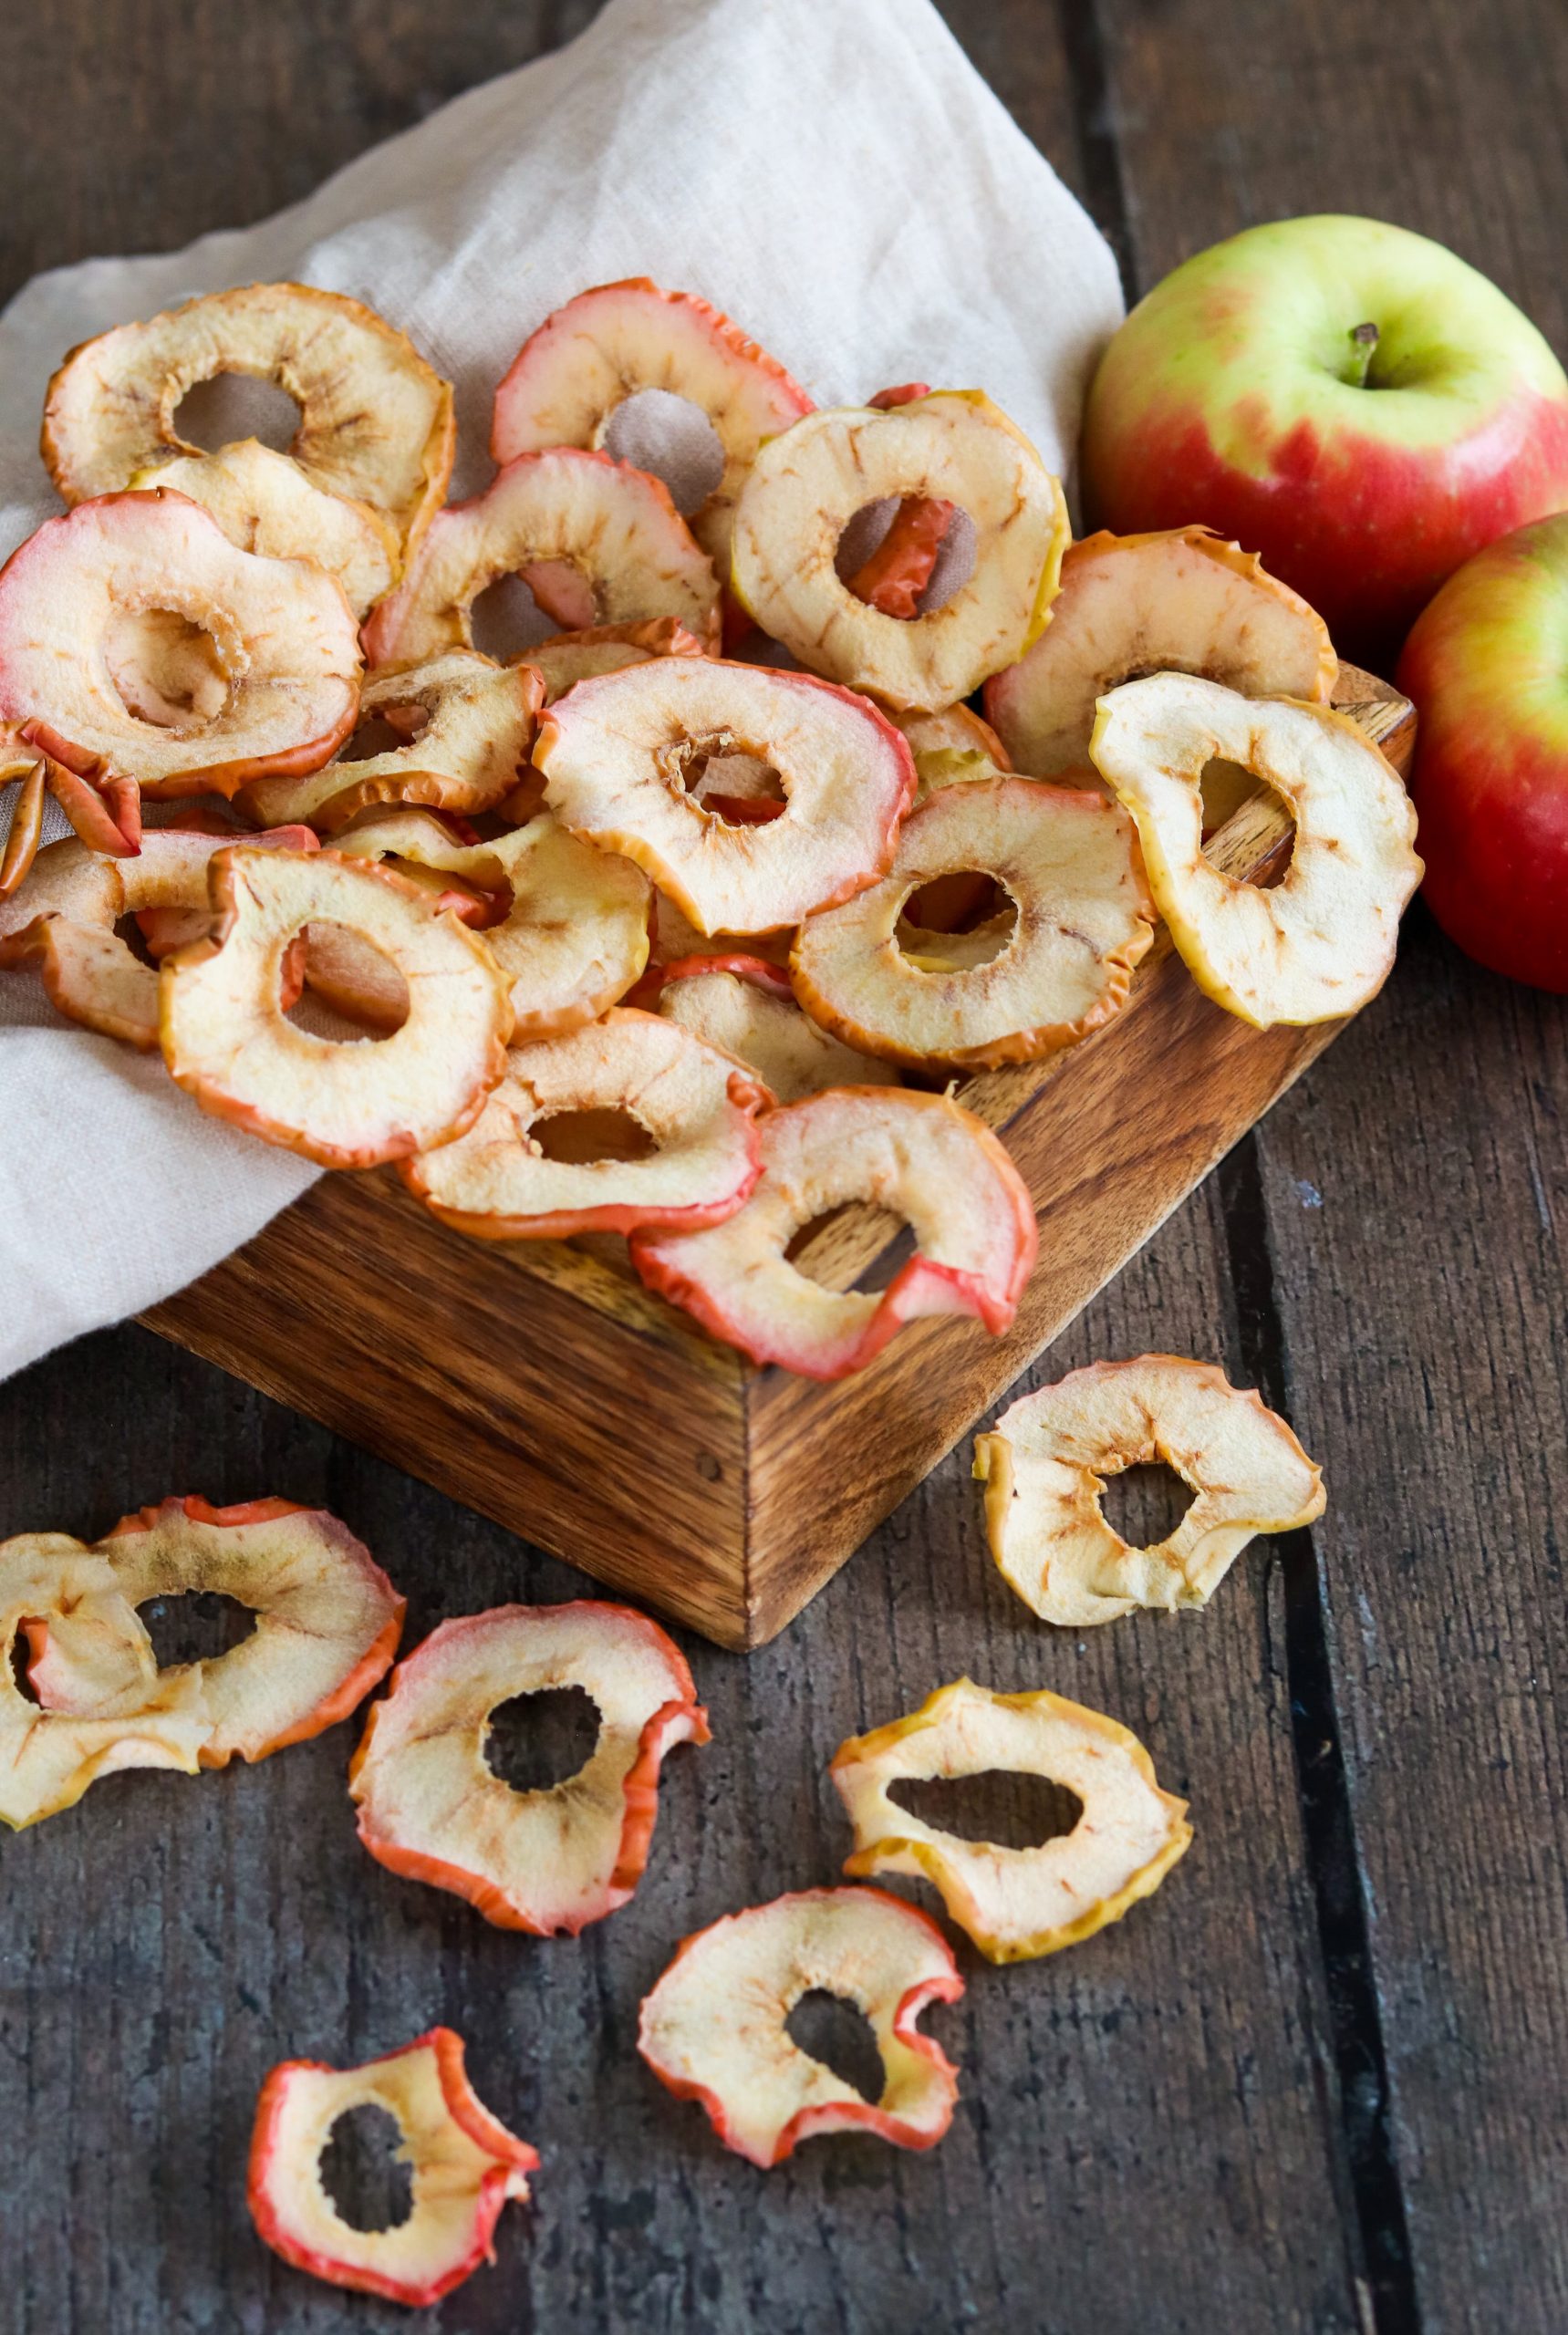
(465, 2166)
(1016, 1903)
(574, 657)
(697, 1105)
(922, 1156)
(327, 1619)
(264, 502)
(549, 1861)
(746, 1008)
(805, 487)
(1084, 920)
(713, 2028)
(615, 529)
(248, 666)
(956, 729)
(617, 755)
(376, 423)
(226, 1040)
(1044, 1461)
(1185, 601)
(1322, 940)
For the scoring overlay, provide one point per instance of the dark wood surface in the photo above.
(1318, 2083)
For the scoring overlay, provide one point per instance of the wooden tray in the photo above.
(543, 1386)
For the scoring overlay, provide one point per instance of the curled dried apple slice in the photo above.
(615, 529)
(922, 1156)
(140, 1719)
(1067, 863)
(328, 1620)
(745, 1007)
(1016, 1903)
(264, 502)
(621, 755)
(1320, 942)
(713, 2028)
(807, 484)
(1044, 1461)
(464, 2164)
(375, 422)
(138, 642)
(545, 1860)
(1185, 601)
(25, 829)
(695, 1105)
(468, 723)
(893, 577)
(574, 657)
(956, 729)
(226, 1041)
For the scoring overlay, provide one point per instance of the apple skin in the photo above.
(1487, 668)
(1231, 397)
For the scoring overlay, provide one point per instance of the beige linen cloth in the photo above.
(831, 173)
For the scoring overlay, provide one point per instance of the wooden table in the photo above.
(1319, 2083)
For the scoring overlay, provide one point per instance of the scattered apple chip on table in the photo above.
(546, 1861)
(745, 1006)
(713, 2028)
(464, 2164)
(1016, 1903)
(1044, 1467)
(265, 503)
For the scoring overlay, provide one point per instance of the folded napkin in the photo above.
(834, 176)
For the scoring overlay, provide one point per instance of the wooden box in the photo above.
(540, 1384)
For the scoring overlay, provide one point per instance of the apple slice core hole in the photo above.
(583, 1138)
(227, 407)
(838, 2034)
(350, 964)
(19, 1658)
(969, 904)
(673, 438)
(1225, 787)
(817, 1257)
(167, 669)
(1004, 1806)
(538, 1741)
(198, 1626)
(362, 2170)
(505, 620)
(1144, 1505)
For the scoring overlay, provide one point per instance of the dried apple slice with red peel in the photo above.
(805, 487)
(713, 2028)
(574, 657)
(616, 525)
(920, 1156)
(1044, 1461)
(547, 1860)
(26, 831)
(616, 754)
(465, 2166)
(745, 1007)
(265, 503)
(376, 423)
(1319, 943)
(1015, 1904)
(226, 1040)
(698, 1105)
(1084, 920)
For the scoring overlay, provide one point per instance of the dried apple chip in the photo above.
(226, 1041)
(264, 502)
(1016, 1903)
(696, 1106)
(465, 2166)
(621, 755)
(956, 729)
(713, 2028)
(546, 1861)
(375, 422)
(920, 1156)
(1185, 601)
(807, 484)
(745, 1007)
(573, 656)
(676, 938)
(1319, 943)
(1044, 1462)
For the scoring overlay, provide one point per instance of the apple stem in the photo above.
(1364, 345)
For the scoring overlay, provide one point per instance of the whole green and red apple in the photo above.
(1487, 668)
(1345, 398)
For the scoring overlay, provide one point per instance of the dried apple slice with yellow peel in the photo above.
(614, 526)
(806, 486)
(1322, 940)
(1185, 601)
(1044, 1462)
(956, 729)
(48, 1759)
(328, 1620)
(696, 1105)
(574, 657)
(920, 1156)
(265, 503)
(713, 2028)
(745, 1007)
(25, 833)
(243, 665)
(1015, 1904)
(619, 755)
(546, 1861)
(376, 423)
(464, 2164)
(226, 1041)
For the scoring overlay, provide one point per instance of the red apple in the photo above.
(1342, 397)
(1486, 666)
